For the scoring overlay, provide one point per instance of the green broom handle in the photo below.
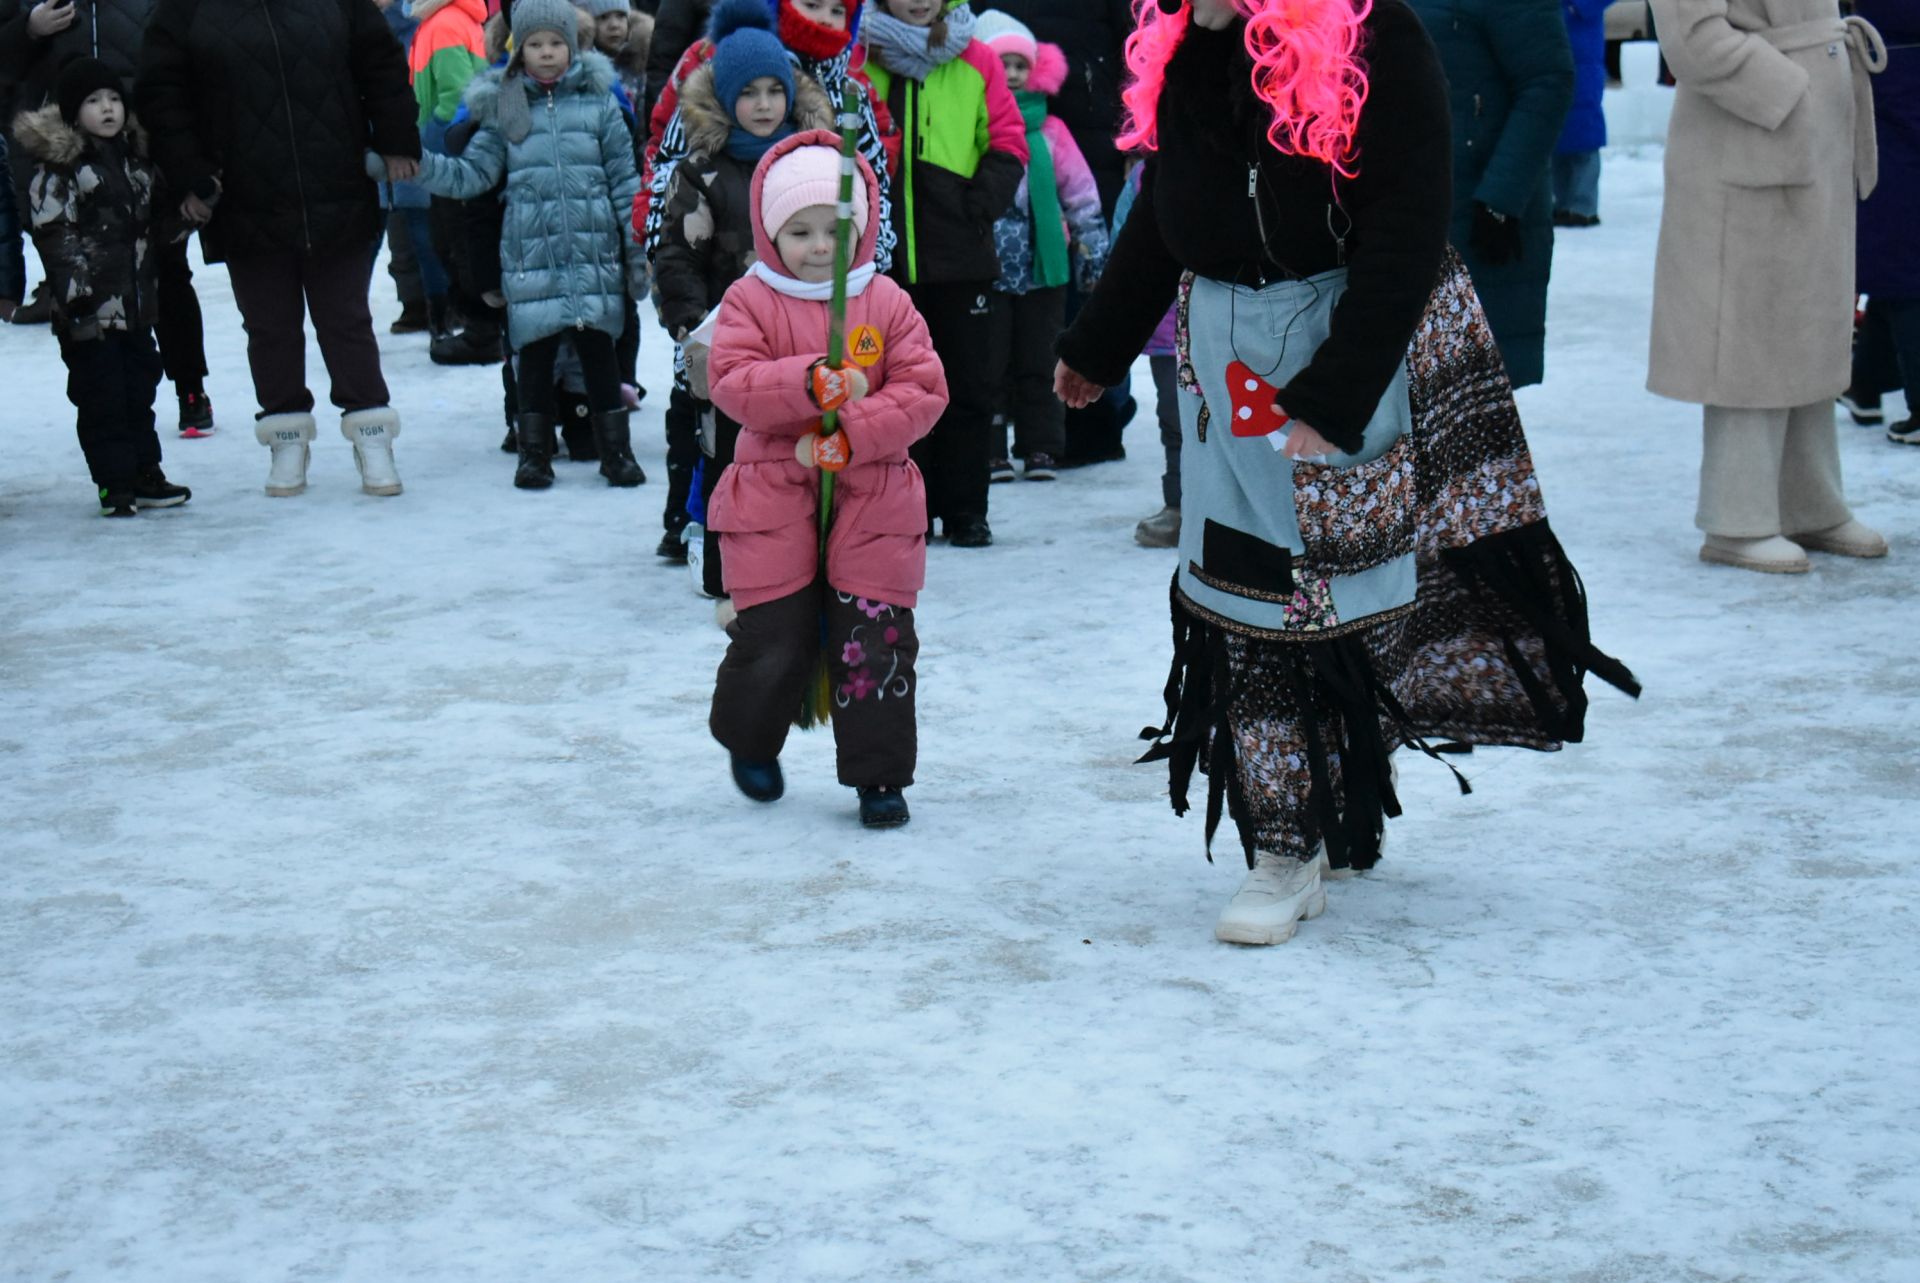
(837, 312)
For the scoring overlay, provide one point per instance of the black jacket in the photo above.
(1093, 34)
(279, 99)
(110, 30)
(1388, 225)
(677, 27)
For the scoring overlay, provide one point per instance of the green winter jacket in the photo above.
(566, 259)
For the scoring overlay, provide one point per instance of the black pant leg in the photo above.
(141, 367)
(726, 436)
(871, 653)
(771, 653)
(1000, 371)
(533, 382)
(599, 367)
(627, 348)
(97, 381)
(336, 287)
(181, 331)
(1039, 417)
(683, 450)
(953, 457)
(1166, 394)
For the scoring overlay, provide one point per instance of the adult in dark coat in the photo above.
(1888, 353)
(36, 42)
(1509, 84)
(1093, 34)
(260, 115)
(677, 27)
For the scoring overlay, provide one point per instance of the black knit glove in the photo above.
(1495, 238)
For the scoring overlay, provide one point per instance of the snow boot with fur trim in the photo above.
(1279, 893)
(372, 433)
(290, 436)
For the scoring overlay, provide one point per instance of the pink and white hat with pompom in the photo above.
(1003, 33)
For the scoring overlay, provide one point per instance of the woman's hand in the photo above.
(1074, 388)
(196, 211)
(1304, 445)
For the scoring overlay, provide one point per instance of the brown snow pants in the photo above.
(871, 648)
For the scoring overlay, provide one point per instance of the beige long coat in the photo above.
(1769, 150)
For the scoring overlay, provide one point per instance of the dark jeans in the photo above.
(1166, 395)
(1886, 355)
(954, 456)
(726, 436)
(275, 292)
(182, 336)
(534, 380)
(770, 660)
(1020, 371)
(111, 382)
(683, 451)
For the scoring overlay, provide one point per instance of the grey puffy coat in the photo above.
(565, 254)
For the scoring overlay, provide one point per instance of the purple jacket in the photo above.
(1889, 264)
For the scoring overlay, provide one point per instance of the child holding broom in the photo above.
(773, 369)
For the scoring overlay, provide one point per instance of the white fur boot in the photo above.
(372, 433)
(1280, 892)
(289, 435)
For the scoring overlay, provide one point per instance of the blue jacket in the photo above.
(1586, 128)
(1889, 258)
(1509, 80)
(566, 259)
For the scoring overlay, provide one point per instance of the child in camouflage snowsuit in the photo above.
(91, 203)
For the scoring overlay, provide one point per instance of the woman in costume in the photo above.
(1364, 559)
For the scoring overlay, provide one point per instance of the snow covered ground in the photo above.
(374, 906)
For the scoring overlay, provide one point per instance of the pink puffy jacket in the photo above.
(766, 505)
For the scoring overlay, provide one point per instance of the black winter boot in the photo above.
(151, 489)
(439, 318)
(476, 345)
(536, 453)
(617, 463)
(883, 808)
(576, 428)
(761, 781)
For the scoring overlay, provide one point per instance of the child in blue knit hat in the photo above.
(733, 109)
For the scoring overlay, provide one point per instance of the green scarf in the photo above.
(1043, 197)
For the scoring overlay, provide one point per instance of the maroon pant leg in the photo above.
(267, 290)
(764, 675)
(337, 285)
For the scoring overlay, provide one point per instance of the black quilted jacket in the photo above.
(110, 30)
(278, 99)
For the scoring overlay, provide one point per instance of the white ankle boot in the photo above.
(288, 435)
(1772, 555)
(1280, 892)
(1850, 538)
(372, 433)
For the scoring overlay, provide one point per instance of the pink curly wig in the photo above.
(1306, 68)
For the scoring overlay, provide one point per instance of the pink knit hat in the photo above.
(802, 177)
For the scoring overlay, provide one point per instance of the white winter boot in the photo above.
(372, 433)
(289, 435)
(1280, 892)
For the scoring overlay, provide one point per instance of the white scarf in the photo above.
(814, 291)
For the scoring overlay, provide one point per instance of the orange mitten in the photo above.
(831, 388)
(831, 454)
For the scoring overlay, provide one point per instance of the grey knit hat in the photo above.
(601, 8)
(557, 16)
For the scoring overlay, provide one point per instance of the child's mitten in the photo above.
(831, 389)
(828, 453)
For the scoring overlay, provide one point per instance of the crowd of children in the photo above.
(541, 194)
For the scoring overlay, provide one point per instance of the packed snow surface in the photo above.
(375, 905)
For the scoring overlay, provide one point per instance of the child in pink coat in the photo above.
(771, 336)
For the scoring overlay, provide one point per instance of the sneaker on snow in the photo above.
(1865, 409)
(196, 415)
(1161, 530)
(697, 557)
(1041, 466)
(1905, 432)
(672, 547)
(116, 503)
(999, 470)
(760, 781)
(1279, 893)
(151, 489)
(883, 808)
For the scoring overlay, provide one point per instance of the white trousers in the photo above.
(1770, 472)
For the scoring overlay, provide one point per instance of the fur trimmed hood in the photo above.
(591, 73)
(709, 124)
(1049, 72)
(47, 137)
